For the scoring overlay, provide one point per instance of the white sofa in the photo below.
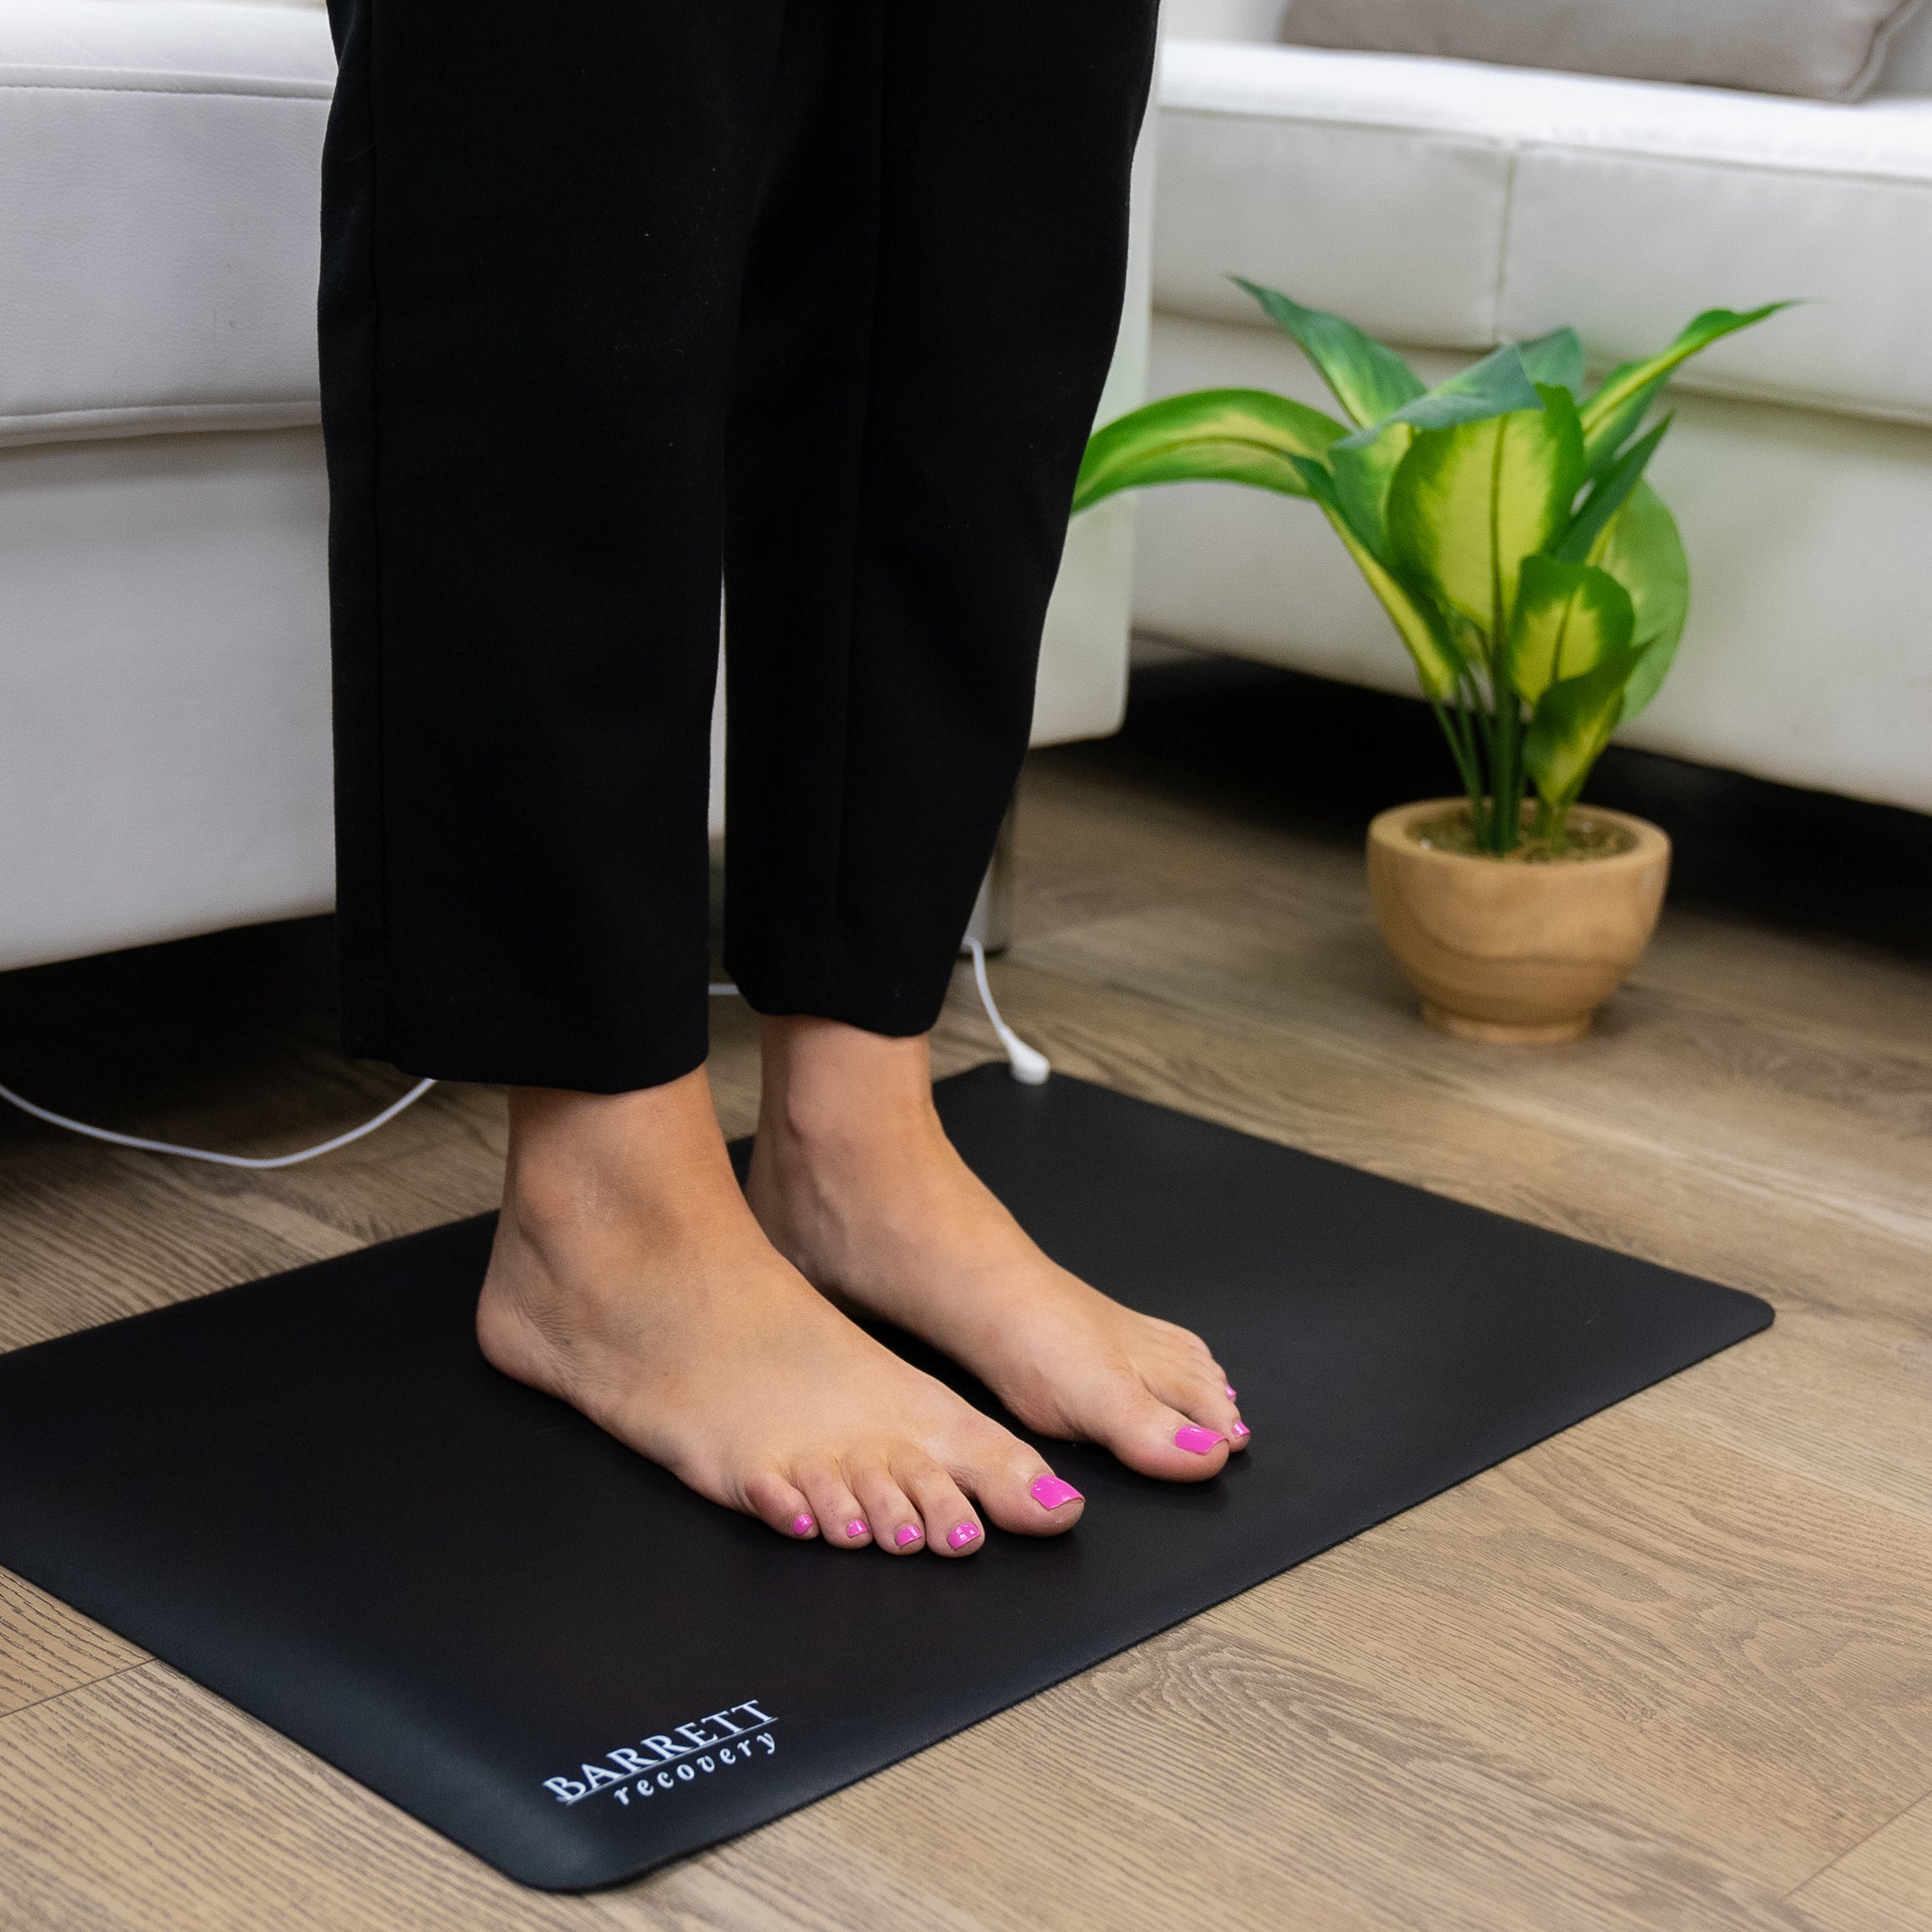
(1447, 206)
(164, 765)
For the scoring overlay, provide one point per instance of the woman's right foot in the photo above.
(630, 1280)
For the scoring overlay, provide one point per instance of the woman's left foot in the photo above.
(856, 1183)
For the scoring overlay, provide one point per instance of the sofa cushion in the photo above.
(1452, 205)
(1828, 49)
(158, 233)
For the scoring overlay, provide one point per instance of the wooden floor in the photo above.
(1672, 1670)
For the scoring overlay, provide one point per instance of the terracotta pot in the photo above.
(1513, 952)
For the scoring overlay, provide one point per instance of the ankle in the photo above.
(829, 1087)
(576, 1158)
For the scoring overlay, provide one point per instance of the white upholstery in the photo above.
(164, 758)
(1447, 207)
(158, 241)
(1449, 203)
(164, 763)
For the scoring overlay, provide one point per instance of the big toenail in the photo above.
(1198, 1442)
(1050, 1492)
(965, 1534)
(855, 1529)
(1242, 1432)
(909, 1533)
(802, 1525)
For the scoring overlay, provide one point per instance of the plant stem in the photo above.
(1509, 779)
(1506, 787)
(1463, 754)
(1504, 827)
(1474, 716)
(1471, 755)
(1553, 822)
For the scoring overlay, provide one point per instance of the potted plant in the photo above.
(1541, 588)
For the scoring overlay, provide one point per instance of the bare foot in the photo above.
(629, 1279)
(857, 1184)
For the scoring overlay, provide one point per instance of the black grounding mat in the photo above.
(313, 1495)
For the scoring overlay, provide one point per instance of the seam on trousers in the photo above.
(381, 678)
(862, 497)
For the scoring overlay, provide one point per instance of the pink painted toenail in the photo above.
(1049, 1492)
(1198, 1442)
(855, 1529)
(802, 1525)
(965, 1534)
(1242, 1430)
(910, 1534)
(1228, 1392)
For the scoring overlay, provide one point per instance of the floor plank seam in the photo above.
(74, 1690)
(1877, 1830)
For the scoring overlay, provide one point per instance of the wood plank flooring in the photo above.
(1673, 1669)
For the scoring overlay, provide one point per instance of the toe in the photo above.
(841, 1518)
(776, 1500)
(896, 1524)
(1159, 1440)
(952, 1525)
(1017, 1490)
(1201, 1392)
(1238, 1433)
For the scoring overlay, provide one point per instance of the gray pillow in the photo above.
(1827, 50)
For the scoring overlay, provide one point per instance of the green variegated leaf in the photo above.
(1369, 380)
(1642, 550)
(1572, 723)
(1468, 505)
(1609, 495)
(1555, 360)
(1625, 394)
(1362, 473)
(1568, 618)
(1459, 505)
(1437, 662)
(1496, 385)
(1224, 435)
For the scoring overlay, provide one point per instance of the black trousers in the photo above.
(621, 298)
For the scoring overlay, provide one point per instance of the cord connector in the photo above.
(1029, 1066)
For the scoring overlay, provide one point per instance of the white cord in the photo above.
(1029, 1065)
(258, 1164)
(382, 1120)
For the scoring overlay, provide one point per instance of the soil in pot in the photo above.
(1586, 838)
